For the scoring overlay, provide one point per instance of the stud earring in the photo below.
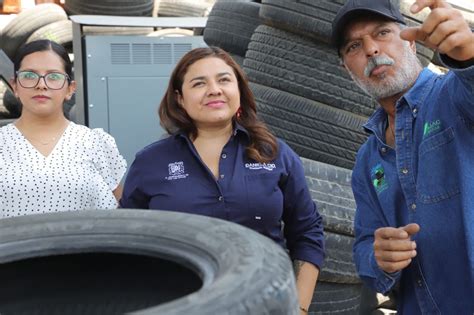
(239, 112)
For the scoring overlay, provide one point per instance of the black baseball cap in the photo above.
(353, 8)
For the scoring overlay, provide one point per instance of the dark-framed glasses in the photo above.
(53, 80)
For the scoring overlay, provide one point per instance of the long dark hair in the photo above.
(263, 145)
(43, 45)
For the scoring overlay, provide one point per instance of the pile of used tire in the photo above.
(309, 101)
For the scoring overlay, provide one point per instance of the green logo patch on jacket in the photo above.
(378, 178)
(431, 127)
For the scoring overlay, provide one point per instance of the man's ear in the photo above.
(343, 64)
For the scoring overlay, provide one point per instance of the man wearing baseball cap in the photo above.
(413, 180)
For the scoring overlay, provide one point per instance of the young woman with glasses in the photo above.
(48, 163)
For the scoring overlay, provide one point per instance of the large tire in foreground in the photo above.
(240, 271)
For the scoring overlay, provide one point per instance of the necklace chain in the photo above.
(42, 142)
(52, 140)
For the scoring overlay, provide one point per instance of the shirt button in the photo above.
(413, 206)
(419, 282)
(415, 110)
(221, 198)
(224, 155)
(384, 150)
(222, 175)
(405, 171)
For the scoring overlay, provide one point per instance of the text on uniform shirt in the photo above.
(259, 166)
(176, 171)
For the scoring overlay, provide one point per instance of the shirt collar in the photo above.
(238, 129)
(416, 96)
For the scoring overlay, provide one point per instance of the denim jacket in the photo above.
(429, 180)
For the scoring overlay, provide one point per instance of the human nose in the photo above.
(213, 88)
(370, 47)
(41, 83)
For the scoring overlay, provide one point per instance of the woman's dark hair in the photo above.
(263, 145)
(43, 45)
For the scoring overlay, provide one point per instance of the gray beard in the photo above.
(390, 85)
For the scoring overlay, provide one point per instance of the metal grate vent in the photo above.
(162, 54)
(120, 54)
(144, 54)
(141, 54)
(180, 50)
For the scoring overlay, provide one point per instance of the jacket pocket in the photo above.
(264, 198)
(437, 169)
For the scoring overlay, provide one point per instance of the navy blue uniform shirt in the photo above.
(427, 179)
(170, 175)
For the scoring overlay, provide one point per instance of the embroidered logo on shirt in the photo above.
(378, 178)
(176, 171)
(431, 127)
(259, 166)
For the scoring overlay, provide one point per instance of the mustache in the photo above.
(377, 61)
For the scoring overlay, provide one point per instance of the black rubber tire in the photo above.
(338, 264)
(110, 7)
(314, 19)
(310, 69)
(238, 59)
(6, 121)
(183, 8)
(230, 25)
(335, 298)
(12, 104)
(305, 17)
(330, 188)
(314, 130)
(59, 32)
(28, 21)
(242, 272)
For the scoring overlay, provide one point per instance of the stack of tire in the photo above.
(305, 96)
(44, 21)
(50, 21)
(183, 8)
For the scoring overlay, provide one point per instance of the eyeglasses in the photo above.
(53, 80)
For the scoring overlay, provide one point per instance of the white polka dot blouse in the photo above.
(80, 173)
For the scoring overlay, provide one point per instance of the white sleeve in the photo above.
(108, 160)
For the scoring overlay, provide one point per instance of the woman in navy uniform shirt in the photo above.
(221, 161)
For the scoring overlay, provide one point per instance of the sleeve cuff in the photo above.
(384, 281)
(451, 63)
